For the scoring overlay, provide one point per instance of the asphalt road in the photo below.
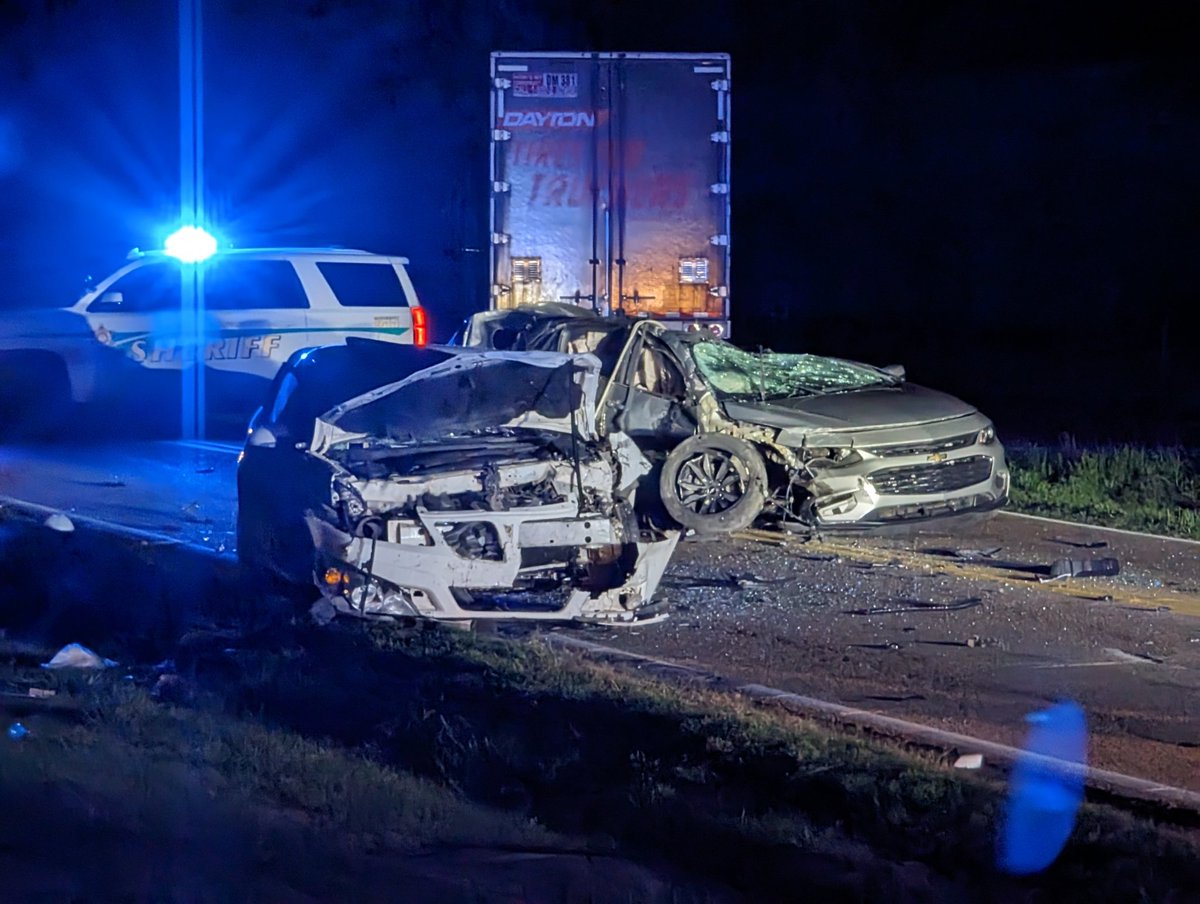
(957, 629)
(177, 490)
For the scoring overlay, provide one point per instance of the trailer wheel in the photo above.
(713, 484)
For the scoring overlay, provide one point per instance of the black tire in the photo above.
(713, 484)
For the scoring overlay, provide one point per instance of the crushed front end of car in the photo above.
(479, 489)
(893, 475)
(851, 446)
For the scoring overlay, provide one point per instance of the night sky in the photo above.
(1002, 197)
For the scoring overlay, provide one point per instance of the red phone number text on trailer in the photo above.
(545, 84)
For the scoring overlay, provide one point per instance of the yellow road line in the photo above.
(1072, 588)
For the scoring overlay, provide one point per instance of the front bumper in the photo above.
(417, 572)
(869, 489)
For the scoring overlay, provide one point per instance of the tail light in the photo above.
(420, 327)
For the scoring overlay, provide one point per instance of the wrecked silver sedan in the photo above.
(478, 488)
(823, 442)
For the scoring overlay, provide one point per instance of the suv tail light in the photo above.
(420, 327)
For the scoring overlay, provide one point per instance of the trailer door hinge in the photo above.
(505, 135)
(719, 84)
(500, 187)
(719, 188)
(718, 239)
(501, 83)
(720, 137)
(500, 238)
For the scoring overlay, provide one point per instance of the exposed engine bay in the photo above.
(479, 489)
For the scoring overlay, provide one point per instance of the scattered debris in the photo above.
(191, 514)
(77, 656)
(1122, 656)
(965, 553)
(42, 693)
(906, 605)
(868, 566)
(172, 689)
(889, 645)
(115, 482)
(322, 612)
(207, 470)
(969, 761)
(1081, 544)
(749, 580)
(1083, 568)
(730, 580)
(977, 553)
(59, 522)
(17, 731)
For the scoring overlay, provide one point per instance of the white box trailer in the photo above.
(610, 183)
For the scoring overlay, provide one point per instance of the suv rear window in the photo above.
(247, 285)
(365, 285)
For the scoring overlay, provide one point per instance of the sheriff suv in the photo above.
(123, 344)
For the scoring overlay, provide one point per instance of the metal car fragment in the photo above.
(478, 488)
(1083, 568)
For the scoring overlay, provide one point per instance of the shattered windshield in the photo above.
(730, 371)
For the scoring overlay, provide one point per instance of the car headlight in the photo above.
(986, 435)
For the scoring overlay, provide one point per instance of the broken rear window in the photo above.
(730, 371)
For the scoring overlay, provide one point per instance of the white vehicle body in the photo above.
(530, 518)
(252, 309)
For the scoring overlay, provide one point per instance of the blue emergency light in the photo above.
(190, 244)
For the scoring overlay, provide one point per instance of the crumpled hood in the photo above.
(472, 393)
(879, 407)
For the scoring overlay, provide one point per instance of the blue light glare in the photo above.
(1045, 791)
(190, 244)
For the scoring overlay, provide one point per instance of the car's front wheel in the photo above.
(713, 484)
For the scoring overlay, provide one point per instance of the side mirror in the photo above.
(895, 370)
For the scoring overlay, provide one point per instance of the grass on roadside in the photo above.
(124, 746)
(418, 737)
(1147, 489)
(713, 778)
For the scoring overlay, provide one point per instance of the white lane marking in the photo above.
(664, 669)
(113, 527)
(1111, 530)
(209, 446)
